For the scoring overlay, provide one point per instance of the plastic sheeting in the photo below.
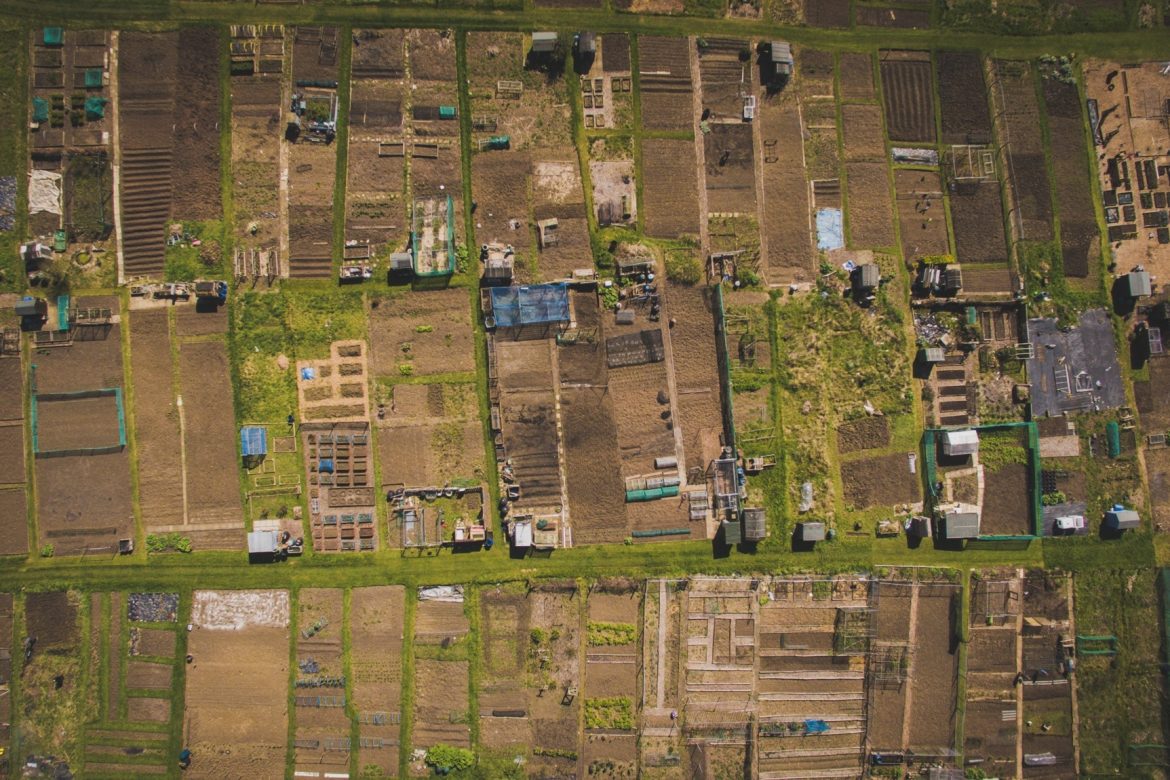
(44, 192)
(830, 229)
(451, 593)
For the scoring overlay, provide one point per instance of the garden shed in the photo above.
(960, 443)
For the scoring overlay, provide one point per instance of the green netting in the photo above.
(53, 36)
(93, 78)
(95, 107)
(1113, 438)
(40, 110)
(651, 494)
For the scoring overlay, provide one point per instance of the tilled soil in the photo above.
(670, 189)
(195, 193)
(1005, 501)
(868, 433)
(963, 98)
(908, 95)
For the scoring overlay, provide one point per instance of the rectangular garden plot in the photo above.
(236, 699)
(665, 81)
(730, 169)
(786, 219)
(52, 620)
(908, 95)
(376, 161)
(1079, 239)
(963, 98)
(862, 127)
(977, 215)
(870, 210)
(83, 496)
(441, 649)
(375, 628)
(855, 72)
(612, 663)
(157, 424)
(921, 214)
(1017, 113)
(670, 189)
(256, 111)
(322, 720)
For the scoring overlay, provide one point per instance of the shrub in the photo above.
(614, 712)
(600, 634)
(47, 551)
(683, 267)
(446, 758)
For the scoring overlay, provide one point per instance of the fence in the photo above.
(104, 449)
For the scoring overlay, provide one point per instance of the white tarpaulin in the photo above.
(451, 593)
(44, 192)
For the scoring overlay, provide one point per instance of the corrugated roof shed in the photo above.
(868, 276)
(812, 532)
(1139, 284)
(961, 525)
(932, 355)
(732, 532)
(263, 542)
(1122, 519)
(544, 41)
(755, 524)
(960, 442)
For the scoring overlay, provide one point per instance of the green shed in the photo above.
(446, 112)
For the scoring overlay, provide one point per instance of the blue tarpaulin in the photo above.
(325, 466)
(815, 726)
(830, 229)
(534, 304)
(253, 441)
(308, 373)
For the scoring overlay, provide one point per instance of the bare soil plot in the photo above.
(908, 95)
(882, 481)
(935, 668)
(83, 501)
(786, 214)
(378, 54)
(977, 217)
(615, 52)
(855, 72)
(376, 177)
(440, 703)
(13, 522)
(195, 194)
(1080, 241)
(375, 620)
(80, 423)
(236, 694)
(311, 171)
(921, 213)
(1006, 501)
(597, 505)
(700, 398)
(11, 382)
(868, 433)
(429, 331)
(528, 411)
(827, 13)
(432, 54)
(963, 98)
(501, 192)
(670, 188)
(724, 65)
(256, 129)
(614, 185)
(730, 168)
(900, 18)
(862, 128)
(665, 83)
(52, 618)
(12, 452)
(815, 73)
(210, 444)
(870, 211)
(1017, 112)
(557, 194)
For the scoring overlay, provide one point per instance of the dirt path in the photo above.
(700, 154)
(758, 164)
(672, 389)
(115, 139)
(908, 702)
